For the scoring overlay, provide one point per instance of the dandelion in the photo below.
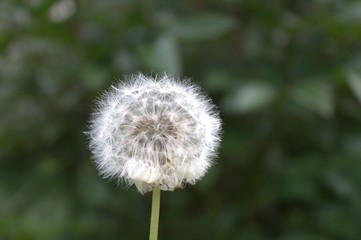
(155, 133)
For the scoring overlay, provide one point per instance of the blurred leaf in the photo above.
(163, 55)
(250, 97)
(218, 81)
(354, 81)
(316, 96)
(203, 26)
(352, 144)
(94, 77)
(253, 42)
(339, 185)
(350, 12)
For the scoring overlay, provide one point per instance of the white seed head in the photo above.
(154, 132)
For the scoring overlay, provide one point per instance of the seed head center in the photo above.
(157, 127)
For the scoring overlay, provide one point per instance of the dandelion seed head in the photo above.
(154, 132)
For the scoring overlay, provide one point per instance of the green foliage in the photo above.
(285, 74)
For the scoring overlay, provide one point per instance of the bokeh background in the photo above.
(286, 76)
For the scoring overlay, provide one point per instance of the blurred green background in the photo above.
(286, 76)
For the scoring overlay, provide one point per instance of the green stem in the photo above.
(154, 219)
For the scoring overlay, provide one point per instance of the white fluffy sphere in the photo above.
(154, 132)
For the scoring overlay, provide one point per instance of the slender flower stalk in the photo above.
(156, 133)
(154, 219)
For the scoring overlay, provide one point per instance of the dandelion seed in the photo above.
(154, 132)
